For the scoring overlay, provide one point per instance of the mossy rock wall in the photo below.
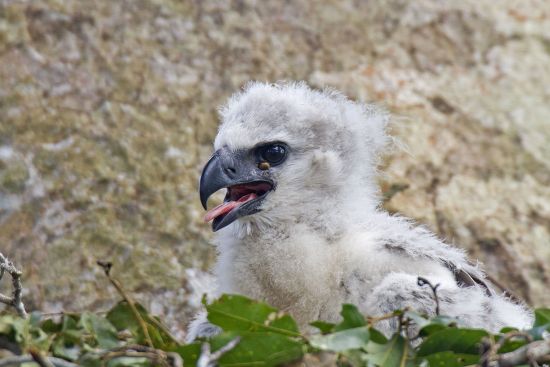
(108, 110)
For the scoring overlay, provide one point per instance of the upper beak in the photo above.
(218, 173)
(228, 168)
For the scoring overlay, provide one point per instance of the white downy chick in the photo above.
(302, 226)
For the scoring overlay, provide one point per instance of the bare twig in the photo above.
(175, 359)
(19, 360)
(69, 313)
(157, 356)
(107, 269)
(487, 351)
(15, 300)
(208, 359)
(532, 353)
(374, 319)
(422, 282)
(160, 326)
(510, 335)
(39, 358)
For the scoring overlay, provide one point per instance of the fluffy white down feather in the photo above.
(322, 238)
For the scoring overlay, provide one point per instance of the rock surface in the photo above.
(108, 109)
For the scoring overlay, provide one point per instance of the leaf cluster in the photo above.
(266, 337)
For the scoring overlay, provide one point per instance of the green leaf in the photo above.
(429, 326)
(65, 350)
(436, 324)
(189, 353)
(542, 316)
(71, 329)
(254, 349)
(90, 360)
(258, 349)
(352, 318)
(542, 323)
(324, 327)
(511, 345)
(34, 319)
(465, 341)
(6, 324)
(377, 337)
(123, 318)
(342, 340)
(417, 318)
(50, 326)
(238, 313)
(70, 322)
(14, 328)
(39, 339)
(20, 330)
(101, 329)
(444, 320)
(450, 359)
(431, 329)
(392, 354)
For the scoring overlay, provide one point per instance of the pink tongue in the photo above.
(225, 208)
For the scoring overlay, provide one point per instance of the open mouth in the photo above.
(240, 200)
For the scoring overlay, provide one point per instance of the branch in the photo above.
(535, 352)
(19, 360)
(39, 358)
(157, 356)
(107, 269)
(15, 300)
(208, 359)
(422, 282)
(375, 319)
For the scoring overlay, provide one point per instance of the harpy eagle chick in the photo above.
(302, 227)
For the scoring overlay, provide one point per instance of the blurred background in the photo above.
(108, 111)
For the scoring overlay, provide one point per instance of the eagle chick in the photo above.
(302, 226)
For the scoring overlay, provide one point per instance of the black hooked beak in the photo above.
(247, 185)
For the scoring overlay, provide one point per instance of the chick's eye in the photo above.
(273, 154)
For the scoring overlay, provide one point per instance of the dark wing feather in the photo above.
(465, 279)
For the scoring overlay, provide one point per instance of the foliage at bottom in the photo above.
(262, 336)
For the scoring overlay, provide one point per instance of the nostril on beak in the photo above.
(230, 171)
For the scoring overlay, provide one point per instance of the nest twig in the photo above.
(14, 301)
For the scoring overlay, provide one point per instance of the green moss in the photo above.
(13, 178)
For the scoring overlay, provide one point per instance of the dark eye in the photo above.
(273, 154)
